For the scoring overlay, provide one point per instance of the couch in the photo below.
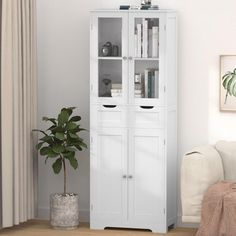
(201, 167)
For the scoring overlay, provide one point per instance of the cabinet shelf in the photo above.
(110, 58)
(146, 59)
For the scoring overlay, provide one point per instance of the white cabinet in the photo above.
(133, 114)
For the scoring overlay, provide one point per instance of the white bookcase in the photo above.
(133, 119)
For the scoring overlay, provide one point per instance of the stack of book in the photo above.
(146, 40)
(138, 86)
(138, 90)
(151, 83)
(116, 90)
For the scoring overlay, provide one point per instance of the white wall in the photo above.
(206, 30)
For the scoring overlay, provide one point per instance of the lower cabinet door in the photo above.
(108, 178)
(146, 180)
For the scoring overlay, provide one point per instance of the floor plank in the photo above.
(41, 228)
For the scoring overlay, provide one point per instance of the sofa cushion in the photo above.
(201, 167)
(227, 150)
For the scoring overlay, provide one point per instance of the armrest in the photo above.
(201, 167)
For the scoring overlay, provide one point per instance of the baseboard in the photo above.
(44, 214)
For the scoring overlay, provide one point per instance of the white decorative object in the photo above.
(136, 45)
(133, 139)
(155, 41)
(139, 35)
(145, 39)
(64, 211)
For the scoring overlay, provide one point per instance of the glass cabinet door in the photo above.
(145, 64)
(109, 51)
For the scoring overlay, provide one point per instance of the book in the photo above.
(153, 7)
(139, 35)
(137, 86)
(146, 83)
(145, 39)
(136, 45)
(116, 94)
(149, 42)
(150, 79)
(116, 90)
(155, 41)
(116, 86)
(124, 7)
(156, 86)
(151, 83)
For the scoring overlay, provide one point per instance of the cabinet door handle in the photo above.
(124, 176)
(124, 58)
(109, 106)
(130, 176)
(130, 58)
(147, 107)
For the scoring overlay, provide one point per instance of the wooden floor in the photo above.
(41, 228)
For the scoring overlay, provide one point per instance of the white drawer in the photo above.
(147, 117)
(108, 115)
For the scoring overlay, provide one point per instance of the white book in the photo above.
(116, 90)
(116, 94)
(155, 41)
(136, 45)
(149, 42)
(137, 92)
(156, 76)
(145, 39)
(139, 35)
(116, 86)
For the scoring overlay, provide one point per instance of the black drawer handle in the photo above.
(109, 106)
(147, 107)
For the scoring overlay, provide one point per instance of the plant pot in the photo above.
(64, 211)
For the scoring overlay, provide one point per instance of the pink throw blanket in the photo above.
(218, 216)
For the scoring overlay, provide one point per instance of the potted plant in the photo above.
(60, 143)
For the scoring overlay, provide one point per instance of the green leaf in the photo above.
(52, 127)
(60, 136)
(69, 154)
(82, 144)
(82, 130)
(44, 151)
(73, 161)
(46, 138)
(63, 117)
(71, 125)
(48, 151)
(41, 131)
(78, 147)
(75, 118)
(69, 109)
(53, 120)
(57, 165)
(73, 135)
(70, 149)
(57, 148)
(39, 145)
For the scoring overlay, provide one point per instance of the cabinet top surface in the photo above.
(135, 11)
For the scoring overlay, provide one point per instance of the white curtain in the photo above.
(18, 110)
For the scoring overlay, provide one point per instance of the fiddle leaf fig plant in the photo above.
(229, 83)
(61, 141)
